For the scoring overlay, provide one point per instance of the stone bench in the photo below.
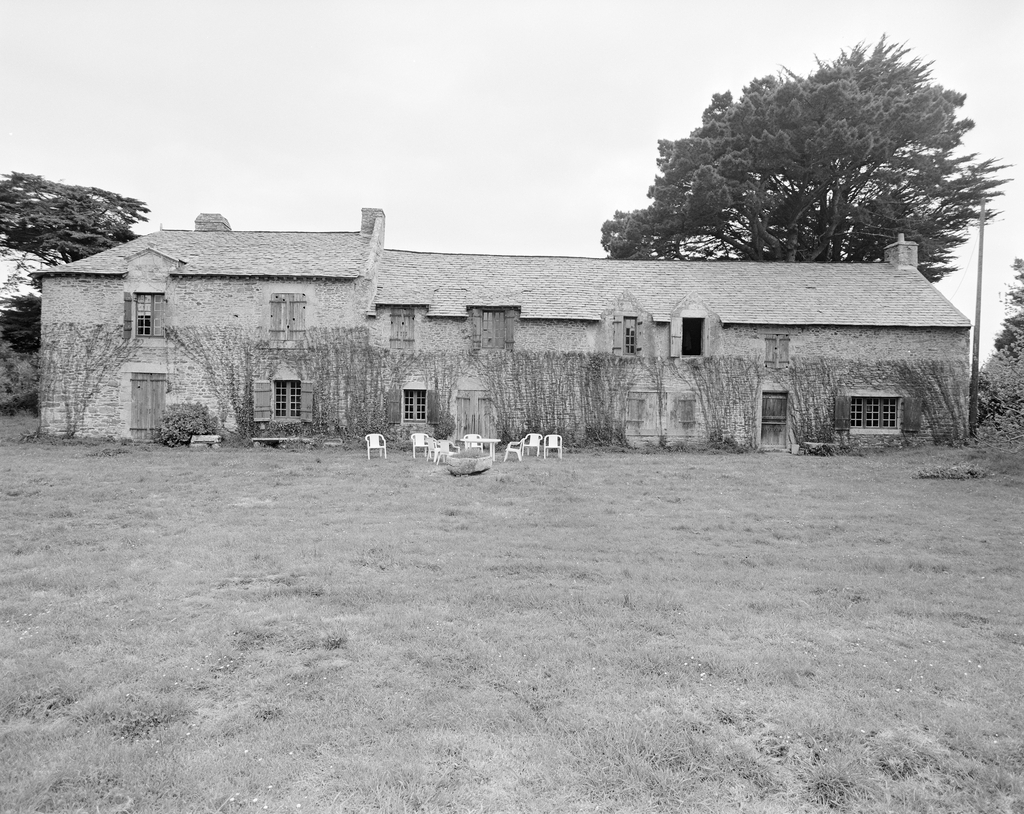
(210, 441)
(276, 442)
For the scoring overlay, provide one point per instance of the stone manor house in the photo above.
(332, 334)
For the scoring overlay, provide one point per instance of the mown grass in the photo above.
(249, 630)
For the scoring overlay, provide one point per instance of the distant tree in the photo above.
(19, 322)
(827, 167)
(47, 223)
(1011, 337)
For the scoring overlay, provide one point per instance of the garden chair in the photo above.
(532, 441)
(420, 440)
(516, 448)
(443, 449)
(473, 440)
(553, 442)
(376, 441)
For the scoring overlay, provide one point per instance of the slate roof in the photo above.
(248, 254)
(738, 292)
(559, 287)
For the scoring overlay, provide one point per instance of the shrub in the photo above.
(964, 471)
(182, 421)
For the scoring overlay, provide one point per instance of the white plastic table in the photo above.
(489, 441)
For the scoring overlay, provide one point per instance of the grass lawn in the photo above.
(267, 630)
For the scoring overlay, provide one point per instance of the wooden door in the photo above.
(774, 409)
(474, 413)
(149, 391)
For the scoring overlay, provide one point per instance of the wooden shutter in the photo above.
(278, 316)
(510, 328)
(771, 351)
(684, 412)
(296, 326)
(306, 401)
(262, 401)
(912, 414)
(128, 316)
(675, 337)
(393, 406)
(783, 357)
(476, 318)
(402, 325)
(617, 334)
(159, 314)
(433, 407)
(842, 419)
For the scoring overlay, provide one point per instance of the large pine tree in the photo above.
(827, 167)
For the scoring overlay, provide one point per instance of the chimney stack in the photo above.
(212, 222)
(902, 254)
(370, 216)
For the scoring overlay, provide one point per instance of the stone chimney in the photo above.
(370, 216)
(901, 254)
(212, 222)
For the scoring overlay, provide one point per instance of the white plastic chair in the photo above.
(376, 441)
(516, 448)
(552, 442)
(420, 440)
(532, 441)
(473, 440)
(443, 449)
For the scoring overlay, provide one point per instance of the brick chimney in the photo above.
(902, 253)
(212, 222)
(370, 216)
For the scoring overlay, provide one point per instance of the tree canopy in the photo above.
(1011, 338)
(50, 223)
(827, 167)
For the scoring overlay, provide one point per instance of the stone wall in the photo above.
(231, 317)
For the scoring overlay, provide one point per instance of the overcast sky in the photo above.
(491, 127)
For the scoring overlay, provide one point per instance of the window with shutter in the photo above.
(402, 329)
(414, 405)
(684, 413)
(287, 316)
(287, 399)
(492, 328)
(776, 351)
(629, 336)
(144, 315)
(874, 413)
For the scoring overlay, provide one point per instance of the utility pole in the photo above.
(976, 349)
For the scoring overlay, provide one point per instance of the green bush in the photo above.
(182, 421)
